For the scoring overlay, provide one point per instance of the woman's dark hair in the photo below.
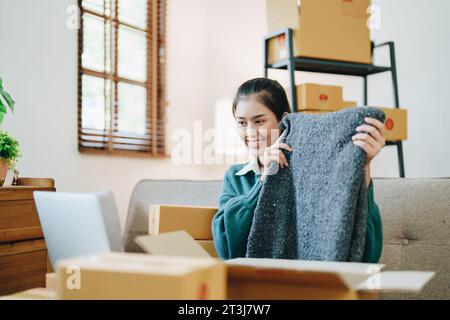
(268, 92)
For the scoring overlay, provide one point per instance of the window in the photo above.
(121, 77)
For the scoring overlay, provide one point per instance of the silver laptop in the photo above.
(78, 224)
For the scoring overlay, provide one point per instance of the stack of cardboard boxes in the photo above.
(326, 29)
(331, 30)
(314, 98)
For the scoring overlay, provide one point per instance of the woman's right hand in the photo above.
(273, 158)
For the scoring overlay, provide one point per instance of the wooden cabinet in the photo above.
(23, 254)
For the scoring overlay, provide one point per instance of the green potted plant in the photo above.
(5, 101)
(9, 147)
(9, 154)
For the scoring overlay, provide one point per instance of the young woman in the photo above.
(258, 108)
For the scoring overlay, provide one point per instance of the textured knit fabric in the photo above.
(321, 213)
(231, 224)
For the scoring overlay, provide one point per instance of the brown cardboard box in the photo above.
(175, 243)
(396, 124)
(51, 281)
(348, 104)
(209, 247)
(327, 29)
(316, 97)
(194, 220)
(272, 279)
(141, 276)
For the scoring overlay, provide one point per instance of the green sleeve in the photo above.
(231, 224)
(374, 230)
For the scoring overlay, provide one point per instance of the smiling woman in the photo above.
(122, 77)
(259, 106)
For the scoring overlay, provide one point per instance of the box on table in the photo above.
(332, 29)
(141, 276)
(272, 279)
(396, 124)
(194, 220)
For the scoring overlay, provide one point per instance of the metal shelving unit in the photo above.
(293, 64)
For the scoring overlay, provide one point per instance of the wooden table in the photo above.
(23, 253)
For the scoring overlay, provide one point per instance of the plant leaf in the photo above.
(2, 107)
(1, 84)
(8, 99)
(2, 116)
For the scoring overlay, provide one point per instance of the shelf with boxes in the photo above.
(330, 37)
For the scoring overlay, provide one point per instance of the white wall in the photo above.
(38, 63)
(214, 45)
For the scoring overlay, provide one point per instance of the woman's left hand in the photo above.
(370, 138)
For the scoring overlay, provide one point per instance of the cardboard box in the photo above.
(316, 97)
(348, 104)
(194, 220)
(141, 276)
(396, 124)
(208, 246)
(328, 29)
(176, 243)
(272, 279)
(51, 281)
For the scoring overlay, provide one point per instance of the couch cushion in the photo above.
(416, 229)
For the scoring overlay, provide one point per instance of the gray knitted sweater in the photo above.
(316, 209)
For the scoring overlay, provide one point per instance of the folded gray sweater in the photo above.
(315, 209)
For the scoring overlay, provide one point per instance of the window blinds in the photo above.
(121, 107)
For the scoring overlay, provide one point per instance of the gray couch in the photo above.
(415, 215)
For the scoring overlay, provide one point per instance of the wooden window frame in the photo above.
(153, 143)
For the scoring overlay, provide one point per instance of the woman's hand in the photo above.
(371, 138)
(273, 155)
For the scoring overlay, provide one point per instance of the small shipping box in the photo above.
(208, 246)
(194, 220)
(317, 97)
(396, 124)
(141, 276)
(272, 279)
(51, 281)
(176, 243)
(325, 29)
(348, 104)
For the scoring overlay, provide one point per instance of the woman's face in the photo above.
(257, 125)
